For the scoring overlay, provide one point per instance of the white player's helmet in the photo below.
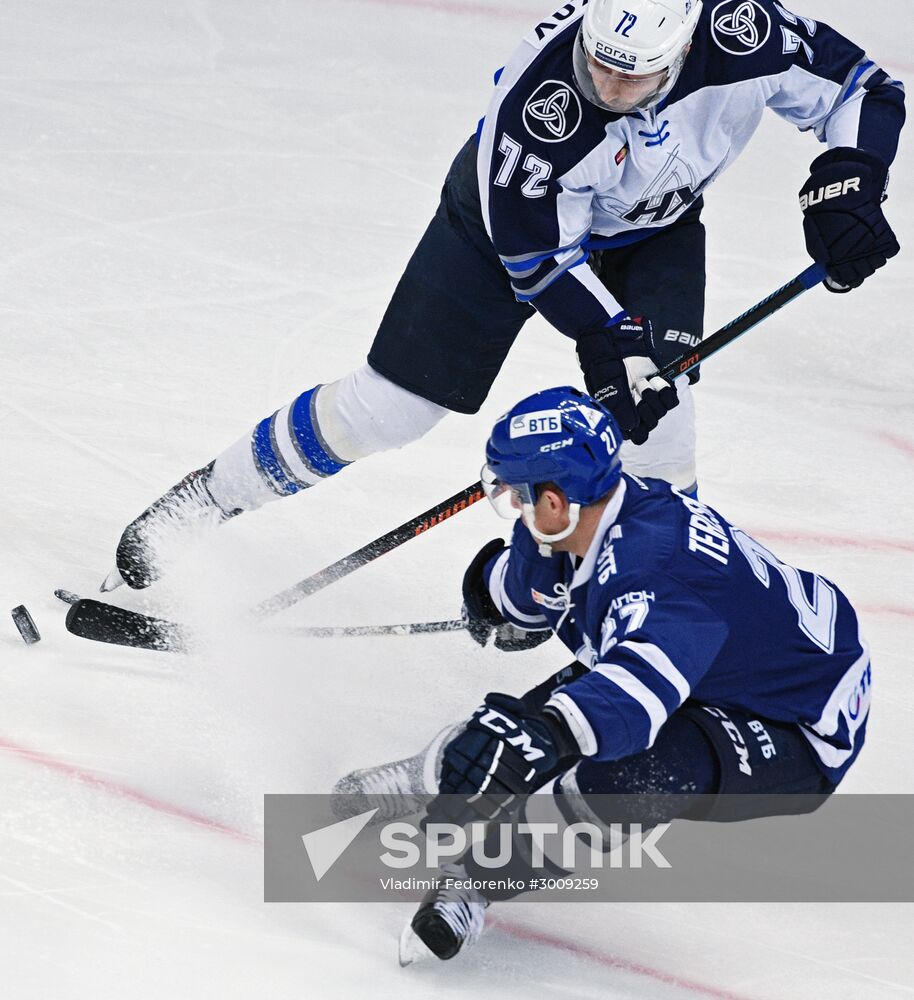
(629, 53)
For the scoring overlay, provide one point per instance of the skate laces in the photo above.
(397, 788)
(393, 789)
(385, 787)
(462, 909)
(192, 497)
(190, 503)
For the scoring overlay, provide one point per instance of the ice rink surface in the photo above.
(205, 207)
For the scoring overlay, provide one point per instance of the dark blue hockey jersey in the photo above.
(673, 602)
(558, 176)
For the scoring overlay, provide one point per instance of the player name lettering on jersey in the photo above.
(706, 535)
(633, 597)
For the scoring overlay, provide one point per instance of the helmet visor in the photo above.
(619, 92)
(507, 500)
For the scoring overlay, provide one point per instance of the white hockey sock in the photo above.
(365, 412)
(317, 435)
(669, 453)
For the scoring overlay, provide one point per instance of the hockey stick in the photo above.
(812, 276)
(129, 628)
(345, 631)
(368, 553)
(107, 623)
(102, 622)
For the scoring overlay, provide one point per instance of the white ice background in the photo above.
(204, 208)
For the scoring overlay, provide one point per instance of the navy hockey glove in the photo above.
(505, 750)
(483, 618)
(620, 371)
(843, 222)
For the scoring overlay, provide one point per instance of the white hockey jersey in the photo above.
(559, 176)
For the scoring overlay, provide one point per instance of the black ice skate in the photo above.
(394, 789)
(159, 531)
(451, 917)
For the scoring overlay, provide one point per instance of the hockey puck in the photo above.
(26, 625)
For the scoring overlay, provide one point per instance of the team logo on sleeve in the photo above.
(553, 113)
(740, 27)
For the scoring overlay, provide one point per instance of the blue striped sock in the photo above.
(288, 449)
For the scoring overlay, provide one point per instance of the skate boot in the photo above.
(185, 509)
(449, 918)
(395, 789)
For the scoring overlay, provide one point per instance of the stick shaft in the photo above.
(417, 525)
(108, 623)
(102, 622)
(91, 619)
(345, 631)
(742, 324)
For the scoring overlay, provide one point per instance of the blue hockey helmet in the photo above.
(560, 436)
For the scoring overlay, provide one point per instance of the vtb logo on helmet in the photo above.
(644, 40)
(559, 436)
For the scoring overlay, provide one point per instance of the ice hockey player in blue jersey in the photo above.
(580, 197)
(704, 664)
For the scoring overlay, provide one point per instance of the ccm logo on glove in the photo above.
(826, 193)
(502, 725)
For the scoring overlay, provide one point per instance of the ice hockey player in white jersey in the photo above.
(703, 663)
(580, 197)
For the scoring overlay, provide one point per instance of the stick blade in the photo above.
(91, 619)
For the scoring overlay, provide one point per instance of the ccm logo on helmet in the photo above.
(556, 445)
(836, 190)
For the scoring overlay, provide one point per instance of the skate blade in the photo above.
(412, 948)
(112, 581)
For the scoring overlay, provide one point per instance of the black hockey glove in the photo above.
(620, 371)
(843, 222)
(505, 750)
(483, 618)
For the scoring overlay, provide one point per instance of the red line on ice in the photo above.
(609, 961)
(835, 541)
(124, 791)
(886, 609)
(506, 926)
(903, 445)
